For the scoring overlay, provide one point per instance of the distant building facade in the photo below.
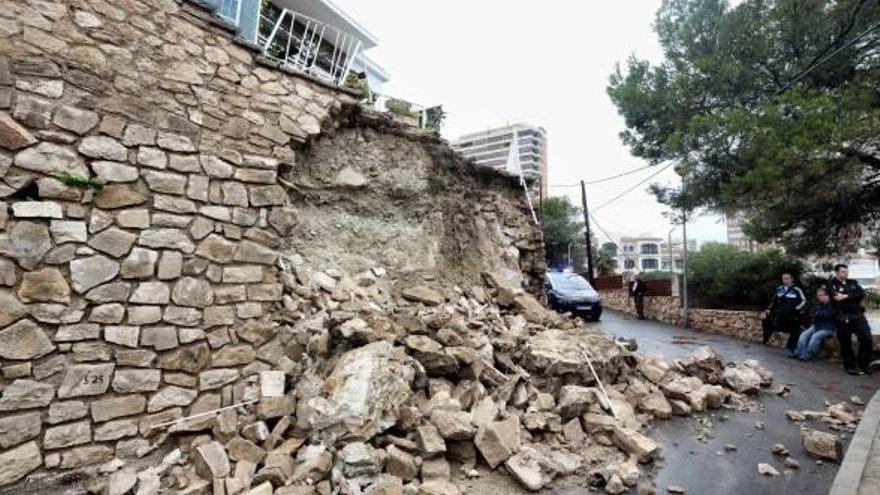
(491, 148)
(863, 267)
(651, 254)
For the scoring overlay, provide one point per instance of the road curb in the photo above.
(849, 476)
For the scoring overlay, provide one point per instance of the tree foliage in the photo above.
(800, 161)
(606, 259)
(723, 277)
(562, 226)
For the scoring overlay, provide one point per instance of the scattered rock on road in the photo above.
(821, 445)
(767, 470)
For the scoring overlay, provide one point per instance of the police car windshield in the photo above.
(569, 281)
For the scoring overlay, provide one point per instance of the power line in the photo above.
(631, 188)
(821, 61)
(605, 232)
(604, 179)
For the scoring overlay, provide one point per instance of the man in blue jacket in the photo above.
(847, 296)
(784, 312)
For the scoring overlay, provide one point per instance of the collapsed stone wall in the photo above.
(369, 196)
(147, 299)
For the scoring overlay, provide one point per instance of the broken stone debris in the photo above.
(380, 399)
(821, 445)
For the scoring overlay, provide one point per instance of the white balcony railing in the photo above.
(305, 44)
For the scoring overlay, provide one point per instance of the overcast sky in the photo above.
(492, 62)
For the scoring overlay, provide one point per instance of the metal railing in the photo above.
(306, 45)
(230, 10)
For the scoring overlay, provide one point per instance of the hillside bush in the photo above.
(723, 277)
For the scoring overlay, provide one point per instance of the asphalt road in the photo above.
(706, 468)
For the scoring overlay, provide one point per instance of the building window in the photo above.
(629, 264)
(649, 264)
(650, 249)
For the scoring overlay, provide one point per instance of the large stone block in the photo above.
(103, 147)
(11, 309)
(85, 380)
(140, 263)
(136, 380)
(118, 196)
(46, 285)
(37, 209)
(169, 397)
(19, 428)
(47, 158)
(217, 249)
(12, 135)
(76, 120)
(27, 243)
(68, 231)
(113, 241)
(79, 331)
(26, 394)
(167, 239)
(116, 407)
(151, 293)
(67, 435)
(24, 340)
(86, 273)
(192, 292)
(15, 464)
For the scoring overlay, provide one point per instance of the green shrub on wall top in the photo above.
(723, 277)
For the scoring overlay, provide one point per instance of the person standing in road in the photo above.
(847, 296)
(637, 293)
(783, 314)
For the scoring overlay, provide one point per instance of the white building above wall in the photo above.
(315, 37)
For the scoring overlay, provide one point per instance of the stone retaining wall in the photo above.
(744, 325)
(660, 308)
(158, 296)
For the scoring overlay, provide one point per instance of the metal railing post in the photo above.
(274, 32)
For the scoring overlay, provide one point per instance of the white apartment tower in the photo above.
(490, 148)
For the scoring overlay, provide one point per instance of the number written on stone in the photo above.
(92, 379)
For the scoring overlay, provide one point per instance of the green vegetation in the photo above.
(434, 118)
(723, 277)
(400, 107)
(562, 228)
(358, 82)
(74, 180)
(773, 107)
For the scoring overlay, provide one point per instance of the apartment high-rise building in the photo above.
(491, 148)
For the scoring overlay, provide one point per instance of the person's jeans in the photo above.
(810, 341)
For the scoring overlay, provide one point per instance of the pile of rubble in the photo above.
(377, 394)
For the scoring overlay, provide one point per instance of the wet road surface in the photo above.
(706, 468)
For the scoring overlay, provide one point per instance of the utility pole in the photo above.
(590, 277)
(684, 257)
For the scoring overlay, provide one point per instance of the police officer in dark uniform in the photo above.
(847, 296)
(784, 312)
